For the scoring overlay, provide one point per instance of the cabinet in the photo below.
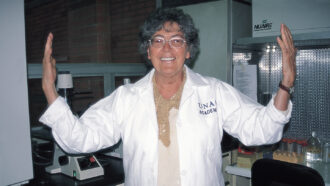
(226, 161)
(234, 176)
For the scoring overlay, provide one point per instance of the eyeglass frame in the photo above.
(168, 41)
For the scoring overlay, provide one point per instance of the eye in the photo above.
(157, 40)
(175, 41)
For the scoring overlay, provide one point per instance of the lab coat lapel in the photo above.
(193, 81)
(146, 93)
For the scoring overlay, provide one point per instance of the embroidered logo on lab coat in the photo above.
(207, 107)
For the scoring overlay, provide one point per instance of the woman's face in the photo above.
(168, 60)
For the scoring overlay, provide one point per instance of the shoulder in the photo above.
(199, 80)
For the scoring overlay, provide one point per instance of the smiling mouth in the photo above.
(167, 59)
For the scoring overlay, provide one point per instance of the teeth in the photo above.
(167, 58)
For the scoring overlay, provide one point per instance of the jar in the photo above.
(290, 145)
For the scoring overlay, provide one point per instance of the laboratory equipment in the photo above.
(79, 167)
(313, 149)
(290, 151)
(326, 152)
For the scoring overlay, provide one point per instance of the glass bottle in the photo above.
(313, 149)
(326, 152)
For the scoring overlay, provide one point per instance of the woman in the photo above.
(171, 121)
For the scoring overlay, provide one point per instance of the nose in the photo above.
(167, 46)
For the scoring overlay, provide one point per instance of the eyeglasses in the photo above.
(159, 42)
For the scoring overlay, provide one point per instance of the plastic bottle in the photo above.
(313, 149)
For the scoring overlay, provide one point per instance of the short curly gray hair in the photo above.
(156, 21)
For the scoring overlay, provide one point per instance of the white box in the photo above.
(301, 16)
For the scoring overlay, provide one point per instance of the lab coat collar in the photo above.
(194, 79)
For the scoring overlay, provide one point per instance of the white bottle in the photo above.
(313, 149)
(127, 81)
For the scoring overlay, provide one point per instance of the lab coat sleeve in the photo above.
(250, 122)
(97, 128)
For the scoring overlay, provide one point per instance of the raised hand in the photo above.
(288, 56)
(288, 67)
(49, 71)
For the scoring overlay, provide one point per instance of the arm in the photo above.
(254, 124)
(250, 122)
(288, 67)
(96, 129)
(49, 71)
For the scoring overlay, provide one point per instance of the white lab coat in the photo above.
(207, 107)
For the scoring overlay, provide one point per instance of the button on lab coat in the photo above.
(207, 107)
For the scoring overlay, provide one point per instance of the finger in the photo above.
(287, 30)
(287, 38)
(284, 35)
(287, 34)
(49, 45)
(280, 43)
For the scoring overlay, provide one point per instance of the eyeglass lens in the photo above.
(174, 42)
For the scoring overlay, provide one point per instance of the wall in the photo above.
(42, 17)
(219, 23)
(212, 21)
(85, 31)
(126, 19)
(15, 141)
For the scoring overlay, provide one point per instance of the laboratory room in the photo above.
(163, 92)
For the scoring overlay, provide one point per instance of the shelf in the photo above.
(238, 171)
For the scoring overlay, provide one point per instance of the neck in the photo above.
(168, 86)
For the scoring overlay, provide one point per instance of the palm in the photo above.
(49, 71)
(288, 56)
(49, 63)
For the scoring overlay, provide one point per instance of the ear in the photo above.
(187, 55)
(148, 53)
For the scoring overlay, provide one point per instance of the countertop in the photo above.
(113, 175)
